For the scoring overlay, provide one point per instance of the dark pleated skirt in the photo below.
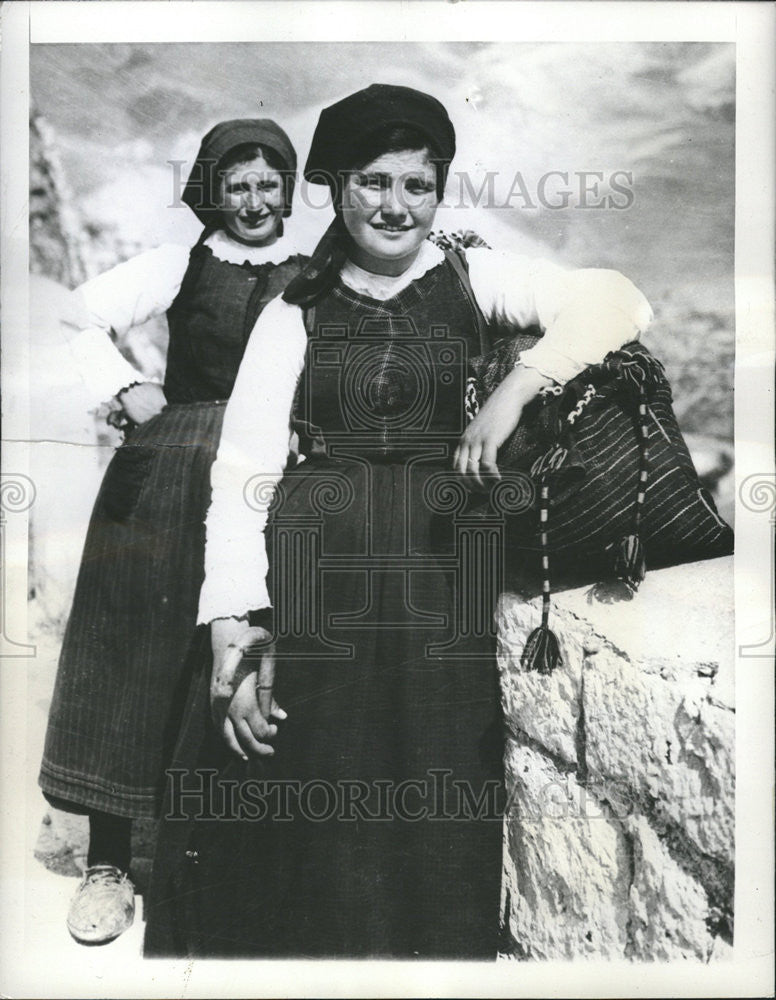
(122, 681)
(386, 709)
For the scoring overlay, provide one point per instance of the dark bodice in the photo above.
(211, 319)
(389, 375)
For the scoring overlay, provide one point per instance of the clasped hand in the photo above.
(241, 701)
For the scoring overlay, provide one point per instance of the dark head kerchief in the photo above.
(201, 193)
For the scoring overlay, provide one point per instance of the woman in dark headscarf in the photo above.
(121, 681)
(368, 822)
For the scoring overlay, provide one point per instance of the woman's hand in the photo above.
(241, 699)
(143, 401)
(475, 456)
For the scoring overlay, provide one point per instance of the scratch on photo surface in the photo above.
(187, 976)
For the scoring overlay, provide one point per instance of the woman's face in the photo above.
(388, 208)
(252, 201)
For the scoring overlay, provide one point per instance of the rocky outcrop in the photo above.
(68, 250)
(619, 834)
(57, 239)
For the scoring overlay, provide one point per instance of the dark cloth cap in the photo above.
(342, 127)
(201, 191)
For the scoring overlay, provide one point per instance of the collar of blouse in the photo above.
(383, 286)
(233, 252)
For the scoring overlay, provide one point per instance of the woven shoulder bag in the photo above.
(614, 481)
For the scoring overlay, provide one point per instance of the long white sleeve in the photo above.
(133, 292)
(250, 461)
(584, 313)
(103, 367)
(129, 294)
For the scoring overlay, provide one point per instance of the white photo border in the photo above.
(751, 27)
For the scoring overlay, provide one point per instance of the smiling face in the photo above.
(252, 201)
(388, 208)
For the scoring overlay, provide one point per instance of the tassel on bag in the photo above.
(630, 564)
(637, 374)
(542, 650)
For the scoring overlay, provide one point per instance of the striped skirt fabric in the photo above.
(122, 679)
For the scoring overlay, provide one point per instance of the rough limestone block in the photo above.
(569, 865)
(680, 623)
(621, 773)
(669, 909)
(545, 708)
(707, 812)
(667, 742)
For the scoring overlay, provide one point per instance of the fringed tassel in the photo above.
(542, 651)
(630, 563)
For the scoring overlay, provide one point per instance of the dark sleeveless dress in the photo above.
(121, 684)
(376, 829)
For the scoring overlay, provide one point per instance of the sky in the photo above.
(660, 116)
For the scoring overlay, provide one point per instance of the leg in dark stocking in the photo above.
(109, 841)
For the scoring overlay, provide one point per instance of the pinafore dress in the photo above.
(376, 829)
(121, 684)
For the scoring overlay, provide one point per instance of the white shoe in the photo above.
(103, 906)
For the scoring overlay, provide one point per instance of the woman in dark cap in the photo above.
(368, 820)
(121, 682)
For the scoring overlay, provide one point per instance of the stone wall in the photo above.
(620, 772)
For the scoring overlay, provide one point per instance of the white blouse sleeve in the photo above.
(251, 458)
(105, 370)
(128, 295)
(585, 313)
